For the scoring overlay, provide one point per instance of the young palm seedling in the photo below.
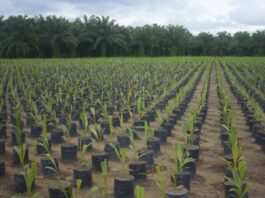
(111, 128)
(93, 113)
(92, 191)
(76, 190)
(169, 108)
(140, 108)
(104, 111)
(53, 167)
(69, 123)
(236, 152)
(240, 189)
(21, 153)
(132, 144)
(97, 134)
(84, 118)
(139, 192)
(81, 155)
(148, 132)
(44, 141)
(104, 174)
(179, 176)
(30, 176)
(161, 181)
(122, 125)
(121, 154)
(159, 117)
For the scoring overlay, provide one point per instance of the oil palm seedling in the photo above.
(179, 174)
(92, 191)
(169, 109)
(111, 128)
(30, 176)
(159, 117)
(84, 116)
(161, 181)
(104, 174)
(236, 151)
(140, 108)
(121, 155)
(97, 134)
(93, 113)
(34, 113)
(44, 141)
(148, 132)
(132, 144)
(81, 155)
(53, 166)
(139, 192)
(21, 153)
(104, 111)
(239, 187)
(76, 190)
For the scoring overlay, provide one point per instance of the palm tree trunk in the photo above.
(56, 51)
(103, 49)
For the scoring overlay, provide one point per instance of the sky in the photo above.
(196, 15)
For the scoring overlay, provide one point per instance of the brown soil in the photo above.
(210, 170)
(251, 151)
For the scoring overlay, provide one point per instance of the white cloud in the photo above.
(196, 15)
(249, 13)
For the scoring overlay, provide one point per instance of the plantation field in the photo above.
(132, 127)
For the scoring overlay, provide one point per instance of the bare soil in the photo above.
(251, 151)
(208, 182)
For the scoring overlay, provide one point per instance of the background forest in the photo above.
(51, 36)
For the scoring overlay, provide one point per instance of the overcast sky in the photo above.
(196, 15)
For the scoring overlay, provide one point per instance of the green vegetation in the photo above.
(51, 36)
(136, 108)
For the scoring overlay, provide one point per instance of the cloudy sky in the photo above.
(196, 15)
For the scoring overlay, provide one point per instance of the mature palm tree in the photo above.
(138, 41)
(18, 38)
(241, 43)
(55, 35)
(258, 40)
(179, 38)
(204, 43)
(1, 27)
(106, 34)
(123, 48)
(83, 33)
(159, 41)
(222, 43)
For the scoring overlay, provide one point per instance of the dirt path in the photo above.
(167, 152)
(251, 151)
(210, 170)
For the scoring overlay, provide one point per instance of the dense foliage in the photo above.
(51, 36)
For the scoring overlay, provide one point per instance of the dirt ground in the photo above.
(251, 151)
(208, 183)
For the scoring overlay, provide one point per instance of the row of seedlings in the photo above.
(234, 182)
(244, 78)
(143, 159)
(250, 107)
(100, 159)
(184, 166)
(3, 116)
(188, 153)
(48, 164)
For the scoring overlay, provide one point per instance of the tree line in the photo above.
(52, 36)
